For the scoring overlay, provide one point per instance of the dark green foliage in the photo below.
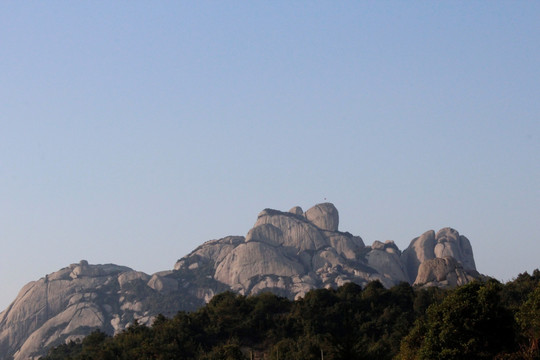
(481, 320)
(478, 321)
(65, 351)
(528, 318)
(470, 323)
(229, 351)
(516, 291)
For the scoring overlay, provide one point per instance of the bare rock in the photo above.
(129, 277)
(450, 243)
(325, 216)
(298, 234)
(345, 245)
(444, 272)
(58, 306)
(445, 243)
(288, 253)
(266, 233)
(297, 210)
(163, 284)
(419, 250)
(254, 259)
(211, 251)
(326, 258)
(386, 259)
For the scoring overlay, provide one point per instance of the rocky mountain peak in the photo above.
(288, 253)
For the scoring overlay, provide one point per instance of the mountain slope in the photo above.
(287, 253)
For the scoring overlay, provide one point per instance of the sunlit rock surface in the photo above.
(447, 242)
(288, 253)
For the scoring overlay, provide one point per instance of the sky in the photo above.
(133, 131)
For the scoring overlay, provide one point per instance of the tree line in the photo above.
(479, 320)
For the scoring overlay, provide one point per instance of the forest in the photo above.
(480, 320)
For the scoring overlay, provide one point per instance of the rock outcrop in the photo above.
(288, 253)
(324, 216)
(59, 306)
(447, 242)
(444, 272)
(70, 303)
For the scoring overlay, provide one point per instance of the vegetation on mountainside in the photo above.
(480, 320)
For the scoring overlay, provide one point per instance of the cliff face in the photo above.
(288, 253)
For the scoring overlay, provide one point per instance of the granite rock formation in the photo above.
(288, 253)
(447, 242)
(70, 303)
(444, 272)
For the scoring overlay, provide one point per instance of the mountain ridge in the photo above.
(287, 253)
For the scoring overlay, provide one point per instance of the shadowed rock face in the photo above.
(444, 272)
(445, 243)
(288, 253)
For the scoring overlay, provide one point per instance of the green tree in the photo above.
(528, 317)
(230, 351)
(469, 323)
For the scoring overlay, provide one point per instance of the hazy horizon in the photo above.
(131, 133)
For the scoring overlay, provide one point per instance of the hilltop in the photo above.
(286, 253)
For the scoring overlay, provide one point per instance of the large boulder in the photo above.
(419, 250)
(385, 258)
(298, 233)
(266, 233)
(444, 272)
(447, 242)
(296, 210)
(163, 284)
(324, 216)
(451, 243)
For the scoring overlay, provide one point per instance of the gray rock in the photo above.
(446, 243)
(254, 259)
(163, 284)
(419, 250)
(347, 246)
(288, 253)
(325, 216)
(129, 277)
(298, 234)
(210, 251)
(450, 243)
(71, 302)
(326, 258)
(385, 258)
(444, 272)
(266, 233)
(297, 210)
(57, 306)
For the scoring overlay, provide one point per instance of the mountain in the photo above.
(287, 253)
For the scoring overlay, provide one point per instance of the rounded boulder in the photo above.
(325, 216)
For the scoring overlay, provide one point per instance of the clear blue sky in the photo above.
(131, 132)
